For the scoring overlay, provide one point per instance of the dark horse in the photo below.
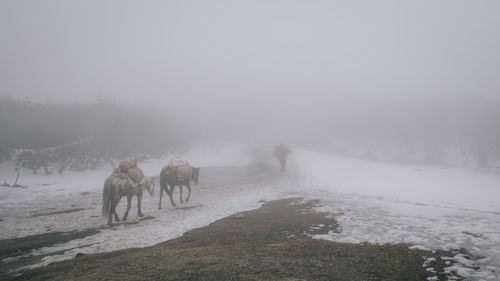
(281, 153)
(115, 188)
(171, 176)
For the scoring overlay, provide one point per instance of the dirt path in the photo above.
(269, 243)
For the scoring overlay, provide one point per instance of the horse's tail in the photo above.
(107, 195)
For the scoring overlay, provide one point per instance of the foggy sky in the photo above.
(209, 56)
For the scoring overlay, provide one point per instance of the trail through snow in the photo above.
(429, 207)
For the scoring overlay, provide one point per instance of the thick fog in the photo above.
(390, 110)
(377, 74)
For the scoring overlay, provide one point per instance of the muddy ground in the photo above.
(270, 243)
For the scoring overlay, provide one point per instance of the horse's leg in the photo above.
(161, 195)
(180, 187)
(139, 211)
(111, 212)
(117, 218)
(188, 184)
(129, 205)
(110, 216)
(170, 194)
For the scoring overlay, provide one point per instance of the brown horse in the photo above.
(117, 187)
(171, 176)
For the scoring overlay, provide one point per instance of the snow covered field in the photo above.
(429, 207)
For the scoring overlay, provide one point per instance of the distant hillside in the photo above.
(109, 129)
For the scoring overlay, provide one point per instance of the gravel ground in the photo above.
(270, 243)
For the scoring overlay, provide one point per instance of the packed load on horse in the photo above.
(177, 161)
(127, 169)
(180, 167)
(127, 163)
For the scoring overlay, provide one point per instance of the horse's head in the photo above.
(149, 185)
(195, 176)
